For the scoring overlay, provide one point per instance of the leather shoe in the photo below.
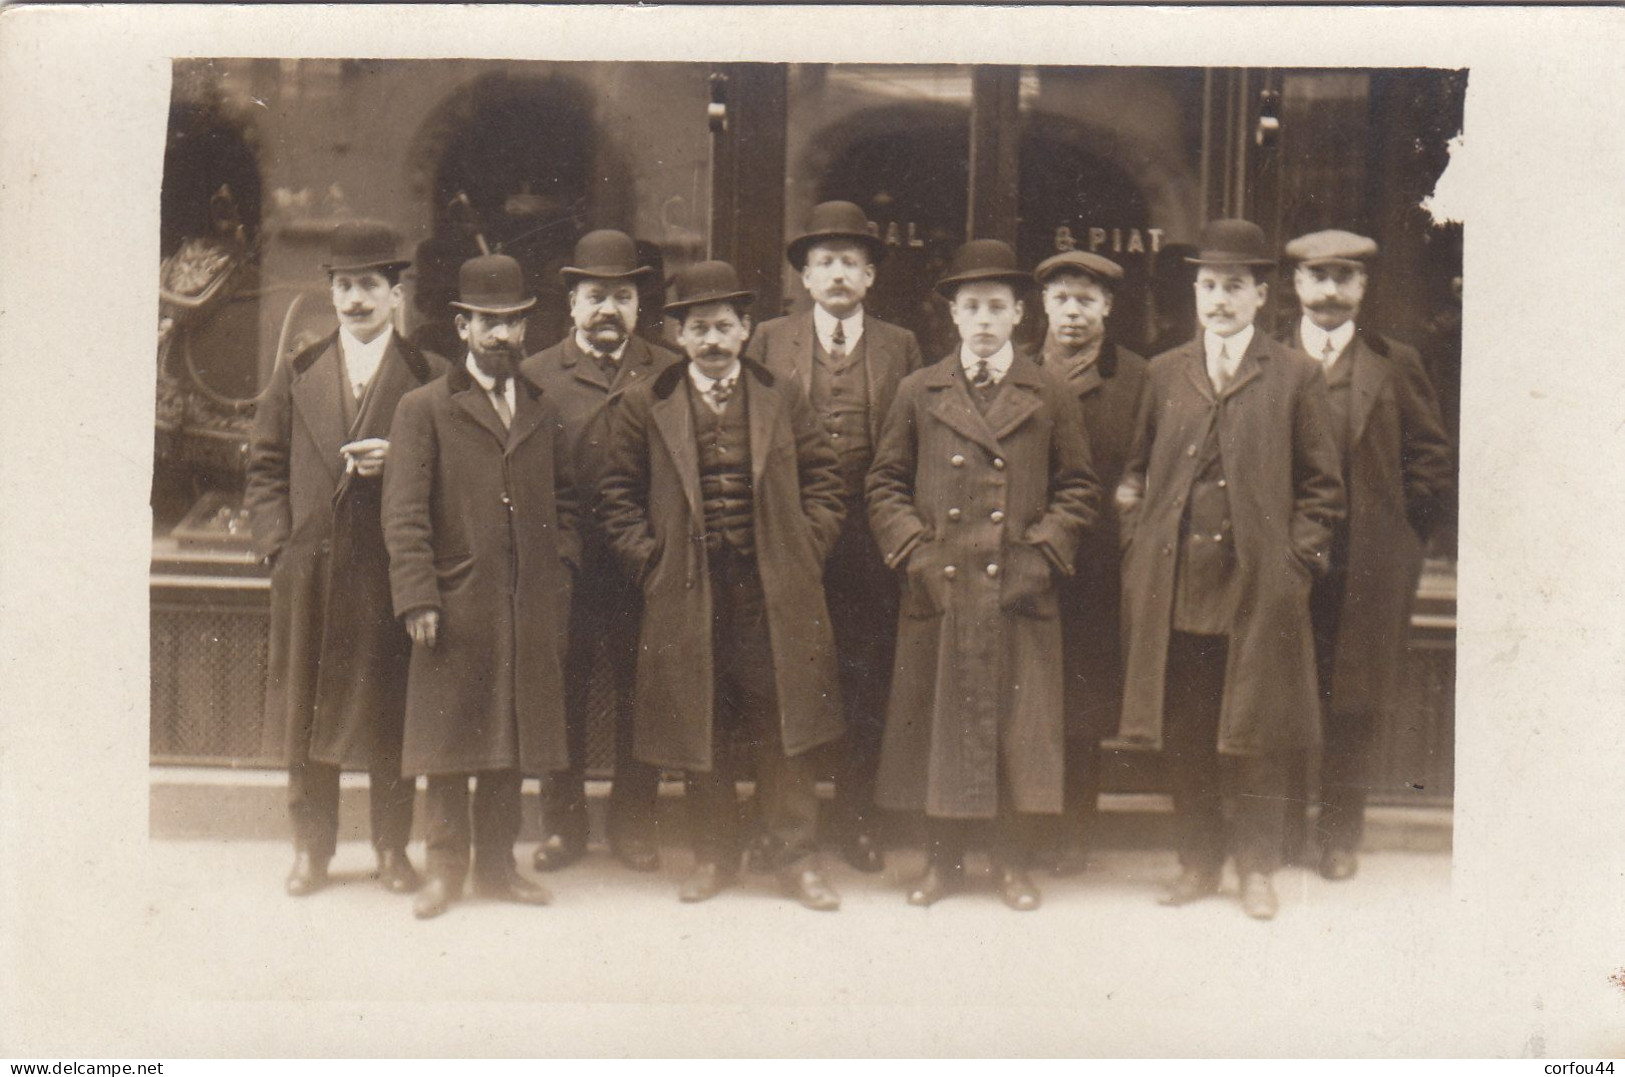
(636, 852)
(435, 898)
(1337, 864)
(808, 886)
(937, 883)
(308, 875)
(1258, 896)
(511, 886)
(706, 881)
(1192, 885)
(557, 852)
(1017, 889)
(396, 873)
(862, 851)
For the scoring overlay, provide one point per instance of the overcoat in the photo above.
(336, 678)
(983, 513)
(1398, 476)
(481, 524)
(1108, 392)
(652, 512)
(1285, 497)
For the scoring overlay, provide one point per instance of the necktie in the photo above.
(721, 392)
(1221, 376)
(499, 400)
(606, 362)
(837, 340)
(1329, 356)
(982, 376)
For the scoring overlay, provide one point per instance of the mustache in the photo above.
(1329, 304)
(355, 312)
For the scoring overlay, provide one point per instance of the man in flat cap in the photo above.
(336, 684)
(980, 492)
(1108, 381)
(584, 374)
(1228, 503)
(1396, 467)
(480, 517)
(723, 499)
(849, 363)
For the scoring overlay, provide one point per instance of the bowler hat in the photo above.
(983, 260)
(834, 220)
(1231, 241)
(1093, 265)
(707, 282)
(492, 284)
(1332, 247)
(356, 245)
(605, 255)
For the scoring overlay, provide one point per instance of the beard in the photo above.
(496, 359)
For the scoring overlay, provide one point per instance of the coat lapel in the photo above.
(318, 407)
(637, 363)
(583, 367)
(763, 409)
(801, 350)
(467, 394)
(528, 412)
(1247, 371)
(1367, 377)
(1018, 400)
(391, 382)
(1196, 370)
(675, 422)
(1086, 381)
(952, 406)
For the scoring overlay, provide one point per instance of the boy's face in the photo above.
(986, 313)
(1077, 307)
(1228, 298)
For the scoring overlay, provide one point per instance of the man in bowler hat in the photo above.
(1396, 468)
(480, 517)
(584, 374)
(723, 499)
(849, 363)
(1107, 381)
(980, 492)
(336, 684)
(1228, 504)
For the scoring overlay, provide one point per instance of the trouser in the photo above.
(747, 718)
(1080, 796)
(1205, 783)
(495, 827)
(1009, 837)
(605, 613)
(313, 805)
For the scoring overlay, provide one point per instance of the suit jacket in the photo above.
(337, 671)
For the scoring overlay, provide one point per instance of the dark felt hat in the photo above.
(1231, 241)
(356, 245)
(983, 260)
(1332, 247)
(492, 284)
(707, 282)
(1093, 265)
(605, 255)
(834, 220)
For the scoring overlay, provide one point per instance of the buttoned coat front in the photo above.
(983, 512)
(1285, 496)
(336, 678)
(1398, 475)
(654, 518)
(481, 525)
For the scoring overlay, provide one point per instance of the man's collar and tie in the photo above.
(362, 359)
(608, 362)
(499, 390)
(1323, 345)
(1224, 355)
(716, 392)
(982, 372)
(838, 336)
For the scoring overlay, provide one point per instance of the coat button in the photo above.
(957, 460)
(998, 463)
(997, 516)
(1218, 538)
(954, 514)
(1190, 450)
(993, 570)
(1222, 484)
(506, 500)
(950, 571)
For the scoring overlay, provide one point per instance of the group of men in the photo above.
(961, 576)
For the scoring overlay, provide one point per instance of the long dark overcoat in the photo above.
(481, 525)
(653, 515)
(987, 511)
(1398, 474)
(1286, 496)
(336, 680)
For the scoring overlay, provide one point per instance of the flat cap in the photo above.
(1331, 247)
(1093, 265)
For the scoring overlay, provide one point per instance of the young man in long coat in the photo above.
(1228, 503)
(980, 492)
(723, 498)
(1396, 469)
(1108, 381)
(336, 685)
(849, 363)
(584, 374)
(480, 518)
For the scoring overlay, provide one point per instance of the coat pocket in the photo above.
(1029, 583)
(926, 578)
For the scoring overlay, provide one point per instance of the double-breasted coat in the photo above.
(983, 512)
(1285, 496)
(481, 524)
(1398, 476)
(336, 679)
(652, 512)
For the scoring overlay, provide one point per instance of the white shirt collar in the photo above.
(1232, 348)
(851, 327)
(488, 383)
(588, 350)
(998, 364)
(361, 361)
(1315, 338)
(703, 383)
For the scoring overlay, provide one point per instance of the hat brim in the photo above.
(1044, 274)
(796, 251)
(1229, 258)
(746, 298)
(1352, 263)
(357, 267)
(947, 286)
(570, 273)
(478, 308)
